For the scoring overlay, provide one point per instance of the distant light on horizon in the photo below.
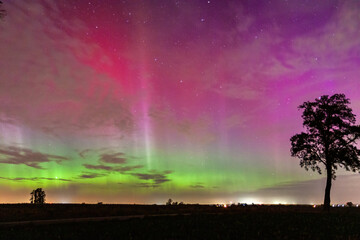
(250, 201)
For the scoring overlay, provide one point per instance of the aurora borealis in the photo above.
(139, 101)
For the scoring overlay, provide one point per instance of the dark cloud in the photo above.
(35, 179)
(98, 167)
(109, 162)
(91, 175)
(139, 185)
(115, 158)
(90, 151)
(84, 152)
(127, 168)
(112, 168)
(145, 185)
(17, 156)
(157, 178)
(197, 186)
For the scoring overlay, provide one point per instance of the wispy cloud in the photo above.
(139, 185)
(84, 152)
(35, 179)
(28, 157)
(98, 167)
(127, 168)
(157, 178)
(119, 169)
(116, 158)
(91, 175)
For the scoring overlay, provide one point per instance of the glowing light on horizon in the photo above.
(250, 201)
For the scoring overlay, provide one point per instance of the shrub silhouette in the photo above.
(169, 202)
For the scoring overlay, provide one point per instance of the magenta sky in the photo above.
(139, 101)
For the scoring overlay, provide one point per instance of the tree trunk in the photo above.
(328, 188)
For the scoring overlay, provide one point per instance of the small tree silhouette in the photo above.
(37, 196)
(169, 202)
(329, 139)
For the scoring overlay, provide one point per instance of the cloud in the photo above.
(197, 186)
(91, 175)
(84, 152)
(28, 157)
(127, 168)
(35, 179)
(91, 151)
(145, 185)
(112, 168)
(115, 158)
(154, 176)
(157, 178)
(116, 161)
(139, 185)
(98, 167)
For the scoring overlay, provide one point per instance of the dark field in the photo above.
(193, 222)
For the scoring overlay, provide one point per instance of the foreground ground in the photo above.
(193, 222)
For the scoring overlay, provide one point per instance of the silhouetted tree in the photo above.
(349, 204)
(329, 139)
(2, 11)
(38, 196)
(169, 202)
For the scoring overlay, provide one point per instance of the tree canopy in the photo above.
(329, 139)
(37, 196)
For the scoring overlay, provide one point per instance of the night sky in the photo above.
(139, 101)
